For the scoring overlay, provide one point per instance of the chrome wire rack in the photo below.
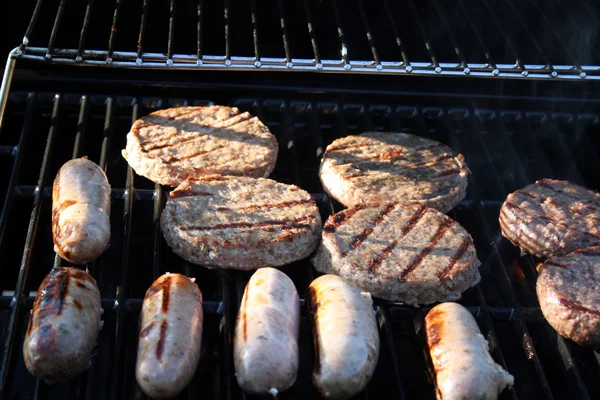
(529, 39)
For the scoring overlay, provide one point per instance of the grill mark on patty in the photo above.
(341, 218)
(159, 144)
(592, 252)
(447, 172)
(267, 206)
(578, 307)
(556, 264)
(160, 345)
(209, 178)
(285, 224)
(223, 124)
(362, 236)
(464, 246)
(444, 157)
(352, 145)
(412, 222)
(170, 160)
(547, 185)
(442, 228)
(390, 154)
(188, 192)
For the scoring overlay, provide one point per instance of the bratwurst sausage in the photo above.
(63, 325)
(463, 366)
(346, 337)
(80, 211)
(170, 336)
(266, 334)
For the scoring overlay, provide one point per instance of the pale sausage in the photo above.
(461, 361)
(266, 334)
(345, 335)
(170, 336)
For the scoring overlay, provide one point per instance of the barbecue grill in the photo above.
(535, 116)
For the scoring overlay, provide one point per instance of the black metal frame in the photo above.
(502, 303)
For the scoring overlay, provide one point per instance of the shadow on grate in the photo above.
(505, 149)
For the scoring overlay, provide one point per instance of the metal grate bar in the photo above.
(284, 33)
(199, 32)
(84, 31)
(428, 46)
(338, 22)
(507, 40)
(384, 321)
(113, 32)
(122, 286)
(365, 21)
(59, 14)
(399, 43)
(536, 44)
(18, 161)
(313, 38)
(479, 38)
(107, 136)
(227, 34)
(140, 45)
(254, 18)
(32, 21)
(171, 38)
(10, 344)
(457, 50)
(81, 126)
(159, 204)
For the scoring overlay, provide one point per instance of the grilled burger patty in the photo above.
(240, 222)
(568, 288)
(406, 253)
(389, 166)
(168, 146)
(551, 217)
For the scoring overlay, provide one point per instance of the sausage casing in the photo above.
(346, 337)
(80, 211)
(462, 363)
(170, 336)
(266, 334)
(63, 325)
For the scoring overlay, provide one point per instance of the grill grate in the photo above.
(506, 148)
(507, 39)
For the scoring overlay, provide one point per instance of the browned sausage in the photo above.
(463, 366)
(63, 325)
(346, 337)
(266, 334)
(80, 211)
(170, 336)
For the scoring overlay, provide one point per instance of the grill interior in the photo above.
(507, 145)
(555, 39)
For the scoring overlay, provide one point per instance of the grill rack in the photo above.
(501, 303)
(504, 39)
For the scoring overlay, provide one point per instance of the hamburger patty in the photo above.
(240, 222)
(168, 146)
(407, 253)
(568, 288)
(388, 166)
(551, 217)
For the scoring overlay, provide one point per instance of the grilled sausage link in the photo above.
(346, 337)
(266, 334)
(80, 211)
(63, 325)
(170, 336)
(463, 366)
